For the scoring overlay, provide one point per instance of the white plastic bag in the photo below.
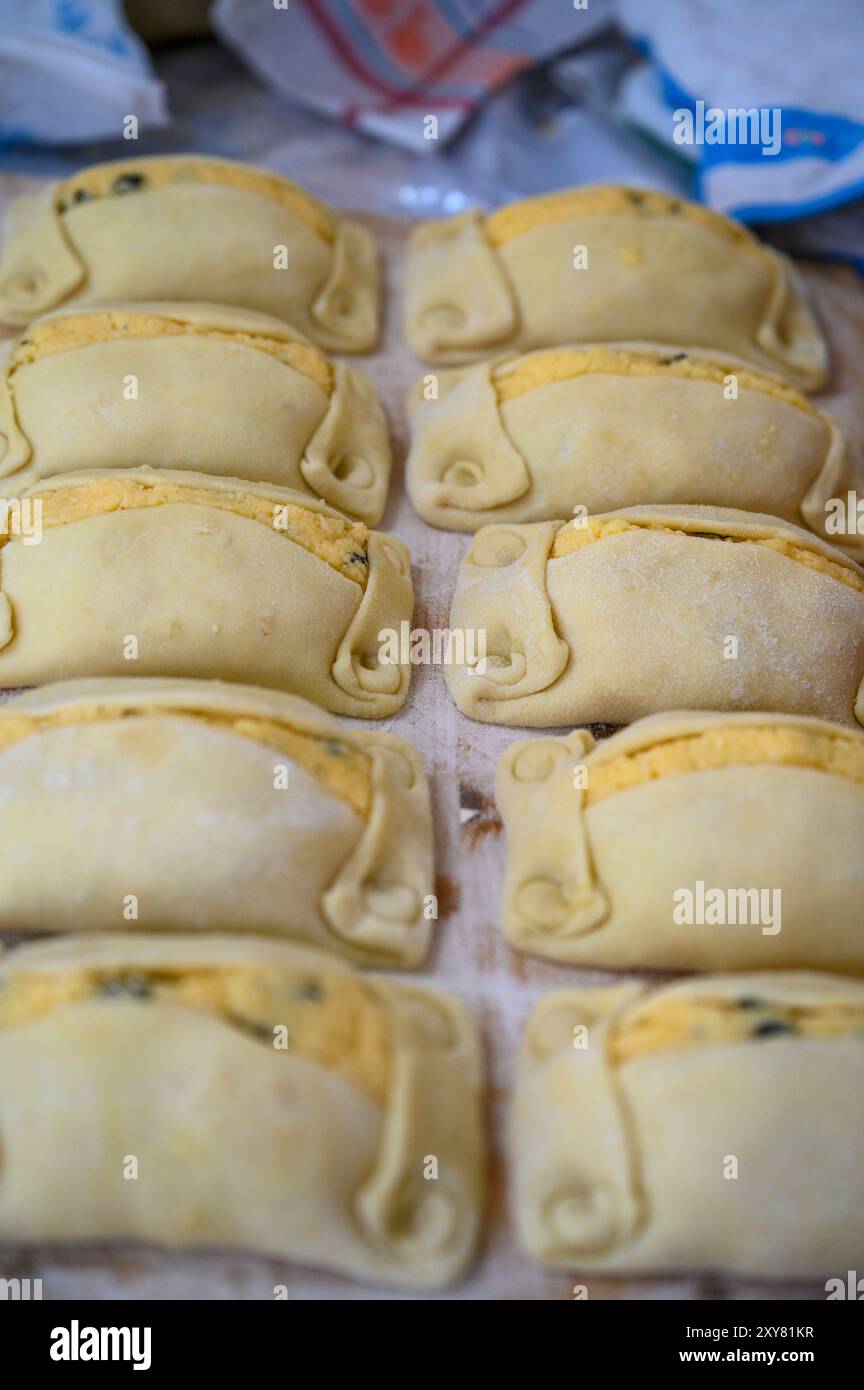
(71, 71)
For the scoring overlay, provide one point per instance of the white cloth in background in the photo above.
(382, 67)
(70, 71)
(805, 59)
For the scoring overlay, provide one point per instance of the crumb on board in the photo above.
(601, 731)
(449, 895)
(478, 815)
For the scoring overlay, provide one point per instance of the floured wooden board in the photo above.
(471, 958)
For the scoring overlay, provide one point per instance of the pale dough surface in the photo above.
(641, 621)
(621, 1165)
(666, 274)
(200, 387)
(166, 791)
(626, 426)
(593, 882)
(238, 1142)
(218, 240)
(206, 592)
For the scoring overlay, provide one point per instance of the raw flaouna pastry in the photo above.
(155, 572)
(609, 842)
(269, 1097)
(533, 437)
(186, 227)
(712, 1124)
(656, 608)
(149, 804)
(607, 264)
(196, 386)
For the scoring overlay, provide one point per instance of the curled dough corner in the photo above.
(441, 325)
(347, 460)
(580, 1197)
(461, 457)
(346, 308)
(837, 469)
(7, 625)
(551, 891)
(15, 447)
(535, 760)
(790, 332)
(376, 902)
(524, 654)
(358, 669)
(432, 1224)
(39, 267)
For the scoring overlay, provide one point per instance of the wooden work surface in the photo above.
(470, 958)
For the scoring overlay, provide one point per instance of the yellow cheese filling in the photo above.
(328, 1017)
(343, 769)
(683, 1023)
(341, 544)
(732, 746)
(72, 331)
(574, 537)
(514, 379)
(125, 177)
(605, 200)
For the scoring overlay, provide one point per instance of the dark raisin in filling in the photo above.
(128, 183)
(309, 990)
(772, 1027)
(130, 986)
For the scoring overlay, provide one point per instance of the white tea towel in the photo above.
(766, 97)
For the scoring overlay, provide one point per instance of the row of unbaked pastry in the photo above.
(772, 619)
(523, 439)
(526, 439)
(689, 413)
(169, 573)
(201, 1092)
(193, 228)
(225, 1088)
(177, 805)
(188, 806)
